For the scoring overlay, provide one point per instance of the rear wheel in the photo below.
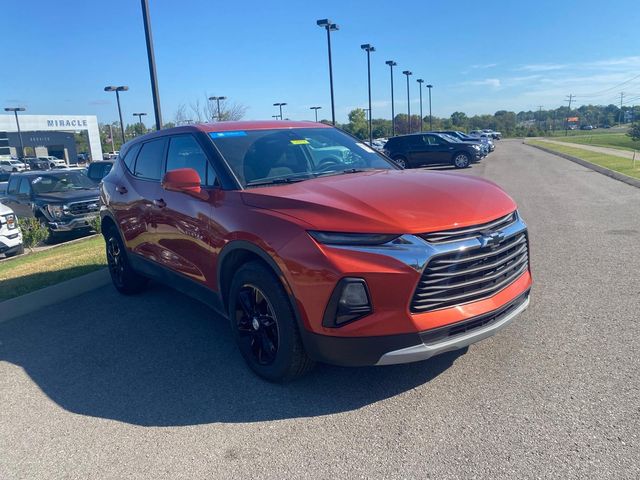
(264, 326)
(124, 278)
(401, 162)
(461, 160)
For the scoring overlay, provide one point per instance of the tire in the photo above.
(461, 160)
(264, 325)
(401, 162)
(19, 251)
(126, 280)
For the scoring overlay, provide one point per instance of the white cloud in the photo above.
(542, 67)
(483, 66)
(487, 82)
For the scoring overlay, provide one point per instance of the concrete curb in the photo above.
(605, 171)
(33, 301)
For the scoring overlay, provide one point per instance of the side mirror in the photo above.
(184, 180)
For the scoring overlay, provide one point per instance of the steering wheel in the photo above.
(328, 163)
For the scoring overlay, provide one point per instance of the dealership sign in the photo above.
(67, 123)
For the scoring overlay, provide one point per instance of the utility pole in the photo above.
(566, 127)
(539, 116)
(620, 116)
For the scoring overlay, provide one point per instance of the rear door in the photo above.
(137, 194)
(188, 238)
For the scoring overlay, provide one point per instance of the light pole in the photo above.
(407, 73)
(392, 64)
(146, 18)
(217, 100)
(421, 81)
(139, 115)
(316, 111)
(369, 48)
(430, 117)
(275, 116)
(329, 26)
(279, 105)
(122, 88)
(15, 111)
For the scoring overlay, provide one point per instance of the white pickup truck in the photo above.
(54, 162)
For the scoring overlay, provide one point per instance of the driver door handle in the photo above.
(160, 203)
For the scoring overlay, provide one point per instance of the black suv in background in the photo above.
(62, 200)
(431, 149)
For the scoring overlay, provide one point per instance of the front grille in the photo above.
(466, 233)
(84, 208)
(471, 275)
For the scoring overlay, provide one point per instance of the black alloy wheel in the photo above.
(257, 325)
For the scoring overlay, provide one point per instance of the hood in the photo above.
(69, 196)
(386, 201)
(4, 210)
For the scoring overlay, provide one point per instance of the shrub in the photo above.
(33, 232)
(96, 224)
(634, 131)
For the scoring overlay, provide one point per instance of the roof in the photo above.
(256, 125)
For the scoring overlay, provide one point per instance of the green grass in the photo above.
(41, 269)
(611, 162)
(613, 140)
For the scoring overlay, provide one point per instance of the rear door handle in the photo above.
(121, 190)
(160, 203)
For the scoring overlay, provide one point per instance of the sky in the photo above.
(480, 56)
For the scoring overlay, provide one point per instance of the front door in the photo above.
(188, 239)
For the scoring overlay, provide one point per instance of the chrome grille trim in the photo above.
(82, 208)
(461, 273)
(465, 233)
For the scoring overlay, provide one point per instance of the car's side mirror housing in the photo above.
(184, 180)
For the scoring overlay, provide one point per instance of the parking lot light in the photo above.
(408, 73)
(122, 88)
(329, 26)
(279, 105)
(369, 48)
(217, 100)
(421, 81)
(15, 111)
(316, 111)
(430, 117)
(392, 64)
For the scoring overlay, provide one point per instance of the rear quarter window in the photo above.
(130, 157)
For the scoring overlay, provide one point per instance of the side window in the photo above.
(185, 152)
(149, 161)
(25, 188)
(12, 188)
(130, 157)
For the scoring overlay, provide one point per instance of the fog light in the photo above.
(349, 301)
(354, 295)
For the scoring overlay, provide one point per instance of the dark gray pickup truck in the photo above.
(62, 200)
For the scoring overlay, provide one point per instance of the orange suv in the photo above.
(313, 245)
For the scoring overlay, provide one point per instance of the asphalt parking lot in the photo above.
(105, 386)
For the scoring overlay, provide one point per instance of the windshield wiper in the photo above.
(275, 181)
(346, 171)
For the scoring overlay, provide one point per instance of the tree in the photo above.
(357, 125)
(207, 110)
(459, 119)
(634, 131)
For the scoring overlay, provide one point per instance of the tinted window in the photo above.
(130, 156)
(97, 171)
(24, 187)
(13, 185)
(185, 152)
(149, 162)
(61, 181)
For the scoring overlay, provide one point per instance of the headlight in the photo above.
(336, 238)
(56, 210)
(9, 220)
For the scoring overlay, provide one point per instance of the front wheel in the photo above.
(264, 326)
(124, 278)
(461, 160)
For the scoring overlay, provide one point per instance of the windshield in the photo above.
(261, 157)
(61, 182)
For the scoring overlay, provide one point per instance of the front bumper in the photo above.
(73, 224)
(413, 347)
(10, 242)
